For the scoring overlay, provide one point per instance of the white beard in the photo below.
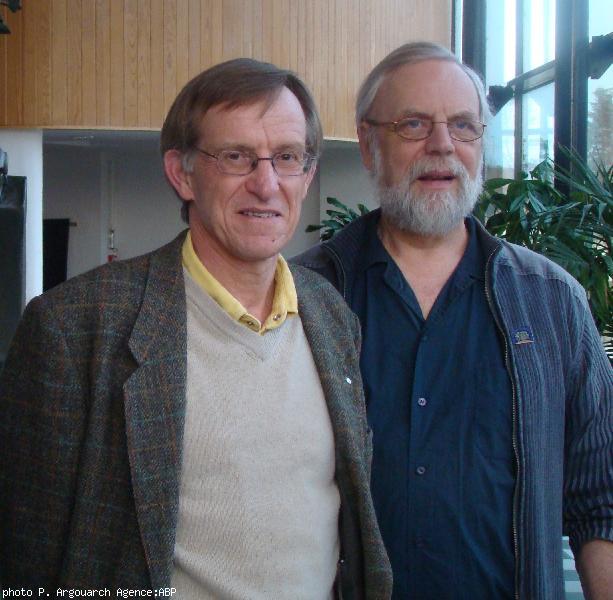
(433, 213)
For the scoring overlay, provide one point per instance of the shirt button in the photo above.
(420, 470)
(422, 402)
(276, 317)
(348, 379)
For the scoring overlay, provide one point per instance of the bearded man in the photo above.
(488, 390)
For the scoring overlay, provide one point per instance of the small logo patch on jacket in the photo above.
(523, 336)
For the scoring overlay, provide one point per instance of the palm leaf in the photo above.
(574, 230)
(339, 216)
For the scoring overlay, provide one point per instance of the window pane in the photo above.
(500, 143)
(537, 130)
(539, 33)
(500, 42)
(458, 6)
(600, 119)
(600, 94)
(600, 17)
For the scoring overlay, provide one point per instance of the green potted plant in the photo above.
(340, 216)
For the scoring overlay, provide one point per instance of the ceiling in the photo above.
(102, 139)
(139, 141)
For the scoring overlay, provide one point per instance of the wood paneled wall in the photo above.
(120, 63)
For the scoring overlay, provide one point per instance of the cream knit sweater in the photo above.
(258, 513)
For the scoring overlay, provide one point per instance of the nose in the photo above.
(263, 181)
(439, 141)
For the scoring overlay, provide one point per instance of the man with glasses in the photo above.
(192, 421)
(487, 387)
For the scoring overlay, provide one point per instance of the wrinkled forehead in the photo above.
(428, 87)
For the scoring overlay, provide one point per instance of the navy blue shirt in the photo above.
(439, 403)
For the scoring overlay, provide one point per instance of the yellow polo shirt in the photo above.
(284, 303)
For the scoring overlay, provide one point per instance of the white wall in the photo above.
(309, 215)
(100, 189)
(25, 158)
(145, 213)
(343, 177)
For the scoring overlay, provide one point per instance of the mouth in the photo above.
(437, 176)
(436, 181)
(260, 214)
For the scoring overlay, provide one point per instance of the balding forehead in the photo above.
(426, 86)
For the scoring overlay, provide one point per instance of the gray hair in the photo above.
(409, 54)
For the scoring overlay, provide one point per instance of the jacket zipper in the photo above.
(514, 412)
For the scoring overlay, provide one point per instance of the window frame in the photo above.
(569, 71)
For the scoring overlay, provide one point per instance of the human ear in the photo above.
(176, 174)
(364, 138)
(309, 177)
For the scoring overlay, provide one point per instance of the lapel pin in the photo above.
(523, 336)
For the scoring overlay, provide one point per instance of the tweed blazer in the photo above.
(92, 401)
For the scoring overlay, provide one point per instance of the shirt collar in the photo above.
(472, 263)
(372, 251)
(285, 299)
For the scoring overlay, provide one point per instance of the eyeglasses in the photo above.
(240, 162)
(420, 128)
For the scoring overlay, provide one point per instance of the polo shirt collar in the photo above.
(285, 300)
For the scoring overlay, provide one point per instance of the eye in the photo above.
(413, 123)
(465, 125)
(288, 157)
(234, 156)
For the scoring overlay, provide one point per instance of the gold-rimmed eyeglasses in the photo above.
(242, 162)
(415, 129)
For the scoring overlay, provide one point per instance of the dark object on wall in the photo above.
(498, 96)
(12, 257)
(4, 168)
(14, 6)
(55, 251)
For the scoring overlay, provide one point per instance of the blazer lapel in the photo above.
(333, 349)
(155, 408)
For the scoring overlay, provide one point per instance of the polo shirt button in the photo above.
(420, 470)
(276, 317)
(422, 402)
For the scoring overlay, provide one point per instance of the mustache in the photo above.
(428, 164)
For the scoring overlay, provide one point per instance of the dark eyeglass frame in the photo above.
(393, 126)
(307, 161)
